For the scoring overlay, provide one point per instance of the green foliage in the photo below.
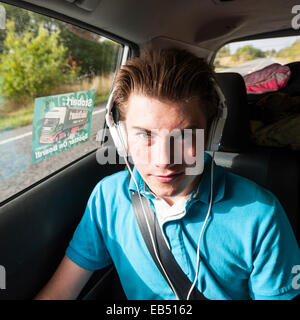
(271, 53)
(83, 47)
(40, 56)
(32, 63)
(93, 57)
(291, 53)
(248, 53)
(20, 117)
(223, 52)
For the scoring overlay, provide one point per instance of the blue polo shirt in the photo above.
(248, 248)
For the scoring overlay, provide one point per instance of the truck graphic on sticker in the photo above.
(60, 122)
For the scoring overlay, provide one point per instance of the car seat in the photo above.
(273, 168)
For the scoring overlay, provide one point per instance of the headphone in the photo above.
(118, 130)
(118, 134)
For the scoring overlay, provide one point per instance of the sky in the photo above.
(265, 44)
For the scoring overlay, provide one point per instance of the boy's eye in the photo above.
(144, 135)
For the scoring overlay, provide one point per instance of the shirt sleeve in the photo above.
(276, 253)
(87, 248)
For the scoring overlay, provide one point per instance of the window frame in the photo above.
(131, 47)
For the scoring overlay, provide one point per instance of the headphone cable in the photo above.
(202, 229)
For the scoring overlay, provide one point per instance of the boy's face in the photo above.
(150, 123)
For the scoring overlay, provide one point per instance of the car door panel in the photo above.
(36, 226)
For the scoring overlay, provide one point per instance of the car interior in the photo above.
(37, 223)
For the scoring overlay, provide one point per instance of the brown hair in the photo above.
(167, 74)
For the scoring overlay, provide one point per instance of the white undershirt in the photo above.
(165, 212)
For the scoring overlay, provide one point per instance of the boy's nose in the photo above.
(163, 154)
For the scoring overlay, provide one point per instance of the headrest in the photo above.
(236, 134)
(292, 88)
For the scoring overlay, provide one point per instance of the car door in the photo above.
(52, 112)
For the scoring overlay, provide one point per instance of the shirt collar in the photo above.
(201, 192)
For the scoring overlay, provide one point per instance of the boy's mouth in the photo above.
(167, 178)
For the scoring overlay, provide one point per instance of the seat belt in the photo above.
(179, 279)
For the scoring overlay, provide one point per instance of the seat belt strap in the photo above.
(179, 279)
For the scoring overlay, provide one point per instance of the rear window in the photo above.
(271, 71)
(245, 57)
(54, 82)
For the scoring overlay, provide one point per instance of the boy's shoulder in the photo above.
(112, 184)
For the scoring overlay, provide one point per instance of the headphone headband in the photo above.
(118, 131)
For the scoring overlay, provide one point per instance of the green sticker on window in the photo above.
(61, 122)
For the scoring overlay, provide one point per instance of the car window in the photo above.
(54, 82)
(245, 57)
(270, 70)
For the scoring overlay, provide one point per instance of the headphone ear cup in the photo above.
(116, 128)
(123, 138)
(213, 141)
(209, 135)
(215, 134)
(119, 137)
